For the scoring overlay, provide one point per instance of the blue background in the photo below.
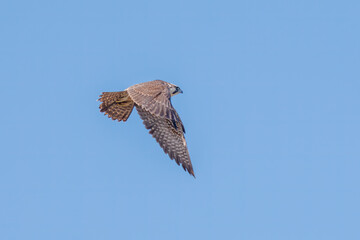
(270, 105)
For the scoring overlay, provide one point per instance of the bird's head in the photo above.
(175, 90)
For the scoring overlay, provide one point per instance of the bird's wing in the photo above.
(171, 139)
(154, 97)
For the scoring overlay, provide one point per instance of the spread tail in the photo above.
(117, 105)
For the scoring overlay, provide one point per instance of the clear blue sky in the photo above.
(270, 105)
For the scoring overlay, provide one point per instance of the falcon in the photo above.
(152, 101)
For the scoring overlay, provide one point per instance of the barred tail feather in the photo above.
(117, 105)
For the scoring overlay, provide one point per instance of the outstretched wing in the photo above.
(171, 139)
(154, 97)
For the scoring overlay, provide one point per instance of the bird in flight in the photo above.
(152, 100)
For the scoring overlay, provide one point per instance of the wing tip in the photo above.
(189, 170)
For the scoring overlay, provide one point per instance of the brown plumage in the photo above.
(117, 105)
(153, 103)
